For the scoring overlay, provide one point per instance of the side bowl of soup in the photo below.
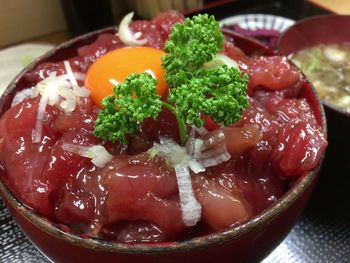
(248, 241)
(320, 46)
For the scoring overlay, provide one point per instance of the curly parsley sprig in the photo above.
(189, 46)
(218, 91)
(122, 114)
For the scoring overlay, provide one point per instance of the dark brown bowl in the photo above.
(247, 242)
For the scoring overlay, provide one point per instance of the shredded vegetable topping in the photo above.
(97, 153)
(178, 157)
(126, 35)
(22, 95)
(195, 157)
(62, 90)
(82, 92)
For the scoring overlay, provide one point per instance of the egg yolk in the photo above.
(116, 65)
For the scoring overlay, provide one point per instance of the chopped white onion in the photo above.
(79, 75)
(334, 54)
(220, 60)
(201, 131)
(126, 35)
(198, 148)
(213, 161)
(194, 157)
(213, 154)
(97, 153)
(82, 92)
(113, 82)
(68, 105)
(70, 73)
(151, 73)
(60, 90)
(40, 117)
(191, 209)
(22, 95)
(179, 158)
(195, 166)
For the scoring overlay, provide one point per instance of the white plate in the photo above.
(14, 59)
(259, 21)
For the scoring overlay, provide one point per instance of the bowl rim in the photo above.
(303, 21)
(306, 20)
(197, 243)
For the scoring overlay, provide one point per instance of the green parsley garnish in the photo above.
(219, 92)
(122, 115)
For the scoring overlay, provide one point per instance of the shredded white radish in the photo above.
(70, 73)
(22, 95)
(198, 147)
(334, 54)
(212, 152)
(151, 73)
(35, 92)
(82, 92)
(220, 60)
(68, 105)
(179, 158)
(40, 117)
(62, 91)
(97, 153)
(113, 82)
(195, 157)
(79, 75)
(191, 209)
(195, 166)
(126, 35)
(190, 142)
(213, 161)
(201, 131)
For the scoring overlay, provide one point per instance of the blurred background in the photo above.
(54, 21)
(29, 28)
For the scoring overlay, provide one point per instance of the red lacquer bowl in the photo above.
(250, 241)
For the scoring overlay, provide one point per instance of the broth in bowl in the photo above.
(328, 67)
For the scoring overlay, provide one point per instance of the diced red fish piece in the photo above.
(165, 22)
(220, 208)
(25, 161)
(139, 187)
(299, 147)
(272, 73)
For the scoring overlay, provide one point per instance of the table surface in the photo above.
(341, 7)
(322, 233)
